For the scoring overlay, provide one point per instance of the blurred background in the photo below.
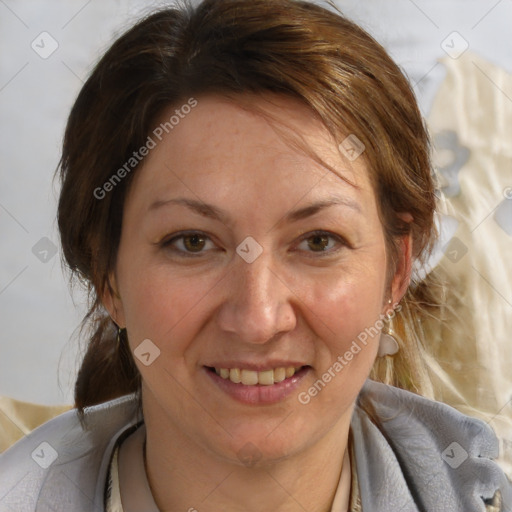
(456, 53)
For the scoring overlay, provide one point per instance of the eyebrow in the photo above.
(214, 213)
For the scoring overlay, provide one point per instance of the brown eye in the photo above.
(318, 243)
(322, 243)
(194, 243)
(188, 244)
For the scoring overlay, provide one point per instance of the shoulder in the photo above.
(17, 418)
(65, 455)
(437, 457)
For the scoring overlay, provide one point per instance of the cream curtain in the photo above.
(471, 126)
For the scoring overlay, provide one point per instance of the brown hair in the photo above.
(227, 47)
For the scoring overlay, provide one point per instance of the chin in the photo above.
(258, 444)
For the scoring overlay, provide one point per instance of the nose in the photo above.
(257, 303)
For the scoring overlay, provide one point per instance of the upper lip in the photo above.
(255, 366)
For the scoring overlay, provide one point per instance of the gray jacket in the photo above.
(412, 455)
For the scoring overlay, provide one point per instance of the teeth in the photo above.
(289, 372)
(251, 377)
(280, 374)
(266, 378)
(234, 375)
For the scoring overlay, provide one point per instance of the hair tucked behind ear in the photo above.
(231, 47)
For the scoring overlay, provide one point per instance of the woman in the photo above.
(245, 188)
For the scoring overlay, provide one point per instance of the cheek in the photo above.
(159, 305)
(344, 313)
(344, 303)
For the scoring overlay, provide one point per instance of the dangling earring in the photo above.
(119, 339)
(388, 346)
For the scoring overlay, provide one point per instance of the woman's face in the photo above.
(239, 253)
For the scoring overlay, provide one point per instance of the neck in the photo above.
(185, 476)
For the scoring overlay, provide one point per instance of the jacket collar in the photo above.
(422, 455)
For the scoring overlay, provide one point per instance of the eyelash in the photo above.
(168, 243)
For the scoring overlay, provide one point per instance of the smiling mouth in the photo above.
(254, 378)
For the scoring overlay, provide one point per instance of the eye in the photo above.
(188, 244)
(322, 242)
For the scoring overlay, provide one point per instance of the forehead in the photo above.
(252, 146)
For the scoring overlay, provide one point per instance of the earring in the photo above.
(119, 340)
(388, 346)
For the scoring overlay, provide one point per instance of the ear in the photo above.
(112, 302)
(402, 277)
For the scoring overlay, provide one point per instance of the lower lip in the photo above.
(259, 394)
